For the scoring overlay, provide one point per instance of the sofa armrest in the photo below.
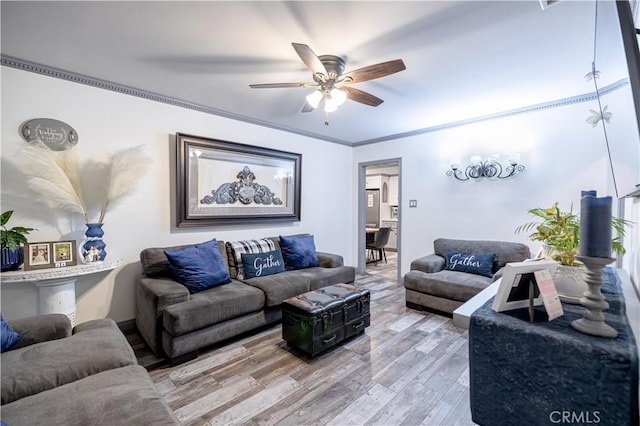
(499, 273)
(152, 296)
(329, 260)
(429, 263)
(41, 328)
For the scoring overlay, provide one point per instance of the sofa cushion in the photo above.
(95, 346)
(299, 251)
(262, 264)
(236, 248)
(156, 265)
(479, 264)
(322, 277)
(212, 306)
(280, 286)
(8, 335)
(460, 286)
(123, 396)
(200, 266)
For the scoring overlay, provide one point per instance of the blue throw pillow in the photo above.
(262, 264)
(299, 251)
(479, 264)
(200, 266)
(9, 336)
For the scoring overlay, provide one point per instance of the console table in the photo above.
(546, 372)
(57, 286)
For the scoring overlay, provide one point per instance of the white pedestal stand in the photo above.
(57, 286)
(57, 296)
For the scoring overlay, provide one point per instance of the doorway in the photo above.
(379, 198)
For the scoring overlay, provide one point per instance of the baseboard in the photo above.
(417, 307)
(128, 326)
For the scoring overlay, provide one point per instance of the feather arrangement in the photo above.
(54, 176)
(126, 167)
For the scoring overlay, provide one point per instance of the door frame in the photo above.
(362, 183)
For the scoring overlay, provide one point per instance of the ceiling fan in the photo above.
(332, 85)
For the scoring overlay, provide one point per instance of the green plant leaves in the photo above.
(560, 230)
(14, 237)
(5, 217)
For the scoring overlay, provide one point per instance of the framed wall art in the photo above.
(51, 254)
(220, 182)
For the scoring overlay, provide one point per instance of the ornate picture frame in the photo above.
(220, 182)
(50, 254)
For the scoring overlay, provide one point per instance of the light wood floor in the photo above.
(408, 368)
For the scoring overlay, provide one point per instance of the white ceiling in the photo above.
(464, 59)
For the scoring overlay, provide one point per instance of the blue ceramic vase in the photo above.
(92, 248)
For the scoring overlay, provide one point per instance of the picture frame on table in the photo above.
(221, 182)
(49, 254)
(514, 289)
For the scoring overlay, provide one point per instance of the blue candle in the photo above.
(595, 225)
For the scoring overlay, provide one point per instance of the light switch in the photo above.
(413, 203)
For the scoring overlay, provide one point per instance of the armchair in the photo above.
(431, 287)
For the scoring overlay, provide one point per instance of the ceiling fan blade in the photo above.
(276, 85)
(374, 71)
(309, 58)
(362, 97)
(307, 107)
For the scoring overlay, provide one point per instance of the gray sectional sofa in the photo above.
(430, 286)
(176, 323)
(88, 375)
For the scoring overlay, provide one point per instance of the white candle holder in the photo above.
(592, 321)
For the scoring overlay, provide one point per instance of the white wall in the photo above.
(562, 154)
(108, 121)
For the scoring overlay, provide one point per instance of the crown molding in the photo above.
(46, 70)
(54, 72)
(586, 97)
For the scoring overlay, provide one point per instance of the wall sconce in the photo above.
(486, 169)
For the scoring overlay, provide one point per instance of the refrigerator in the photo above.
(372, 208)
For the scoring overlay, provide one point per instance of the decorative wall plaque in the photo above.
(244, 189)
(55, 134)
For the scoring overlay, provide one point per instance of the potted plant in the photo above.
(559, 232)
(12, 241)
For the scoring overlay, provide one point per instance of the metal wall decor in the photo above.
(490, 168)
(220, 182)
(244, 190)
(55, 134)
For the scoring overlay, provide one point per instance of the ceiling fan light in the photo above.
(338, 96)
(330, 105)
(314, 98)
